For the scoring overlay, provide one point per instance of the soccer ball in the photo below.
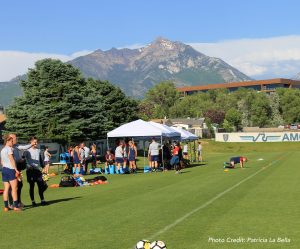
(143, 244)
(158, 245)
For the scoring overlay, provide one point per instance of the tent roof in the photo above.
(138, 128)
(169, 131)
(185, 135)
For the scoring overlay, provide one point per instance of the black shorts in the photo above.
(34, 175)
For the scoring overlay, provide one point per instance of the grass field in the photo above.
(188, 211)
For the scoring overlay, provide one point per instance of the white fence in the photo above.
(258, 137)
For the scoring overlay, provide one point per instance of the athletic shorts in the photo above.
(154, 158)
(119, 160)
(185, 153)
(199, 152)
(8, 174)
(46, 162)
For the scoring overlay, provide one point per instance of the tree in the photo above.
(59, 104)
(289, 104)
(160, 99)
(216, 116)
(260, 110)
(233, 117)
(276, 118)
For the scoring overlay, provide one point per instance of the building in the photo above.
(2, 123)
(269, 85)
(193, 125)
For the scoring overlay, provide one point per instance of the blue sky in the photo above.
(66, 27)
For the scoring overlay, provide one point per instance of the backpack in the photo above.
(101, 178)
(67, 181)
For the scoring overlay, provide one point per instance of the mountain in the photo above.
(296, 77)
(137, 70)
(9, 90)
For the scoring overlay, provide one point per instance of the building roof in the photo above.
(239, 84)
(2, 118)
(188, 121)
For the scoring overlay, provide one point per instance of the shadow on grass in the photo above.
(52, 202)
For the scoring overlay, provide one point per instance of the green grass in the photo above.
(134, 207)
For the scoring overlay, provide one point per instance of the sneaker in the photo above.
(17, 209)
(34, 204)
(6, 209)
(44, 203)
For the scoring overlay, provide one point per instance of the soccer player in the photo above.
(235, 160)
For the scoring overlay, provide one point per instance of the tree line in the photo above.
(60, 104)
(228, 110)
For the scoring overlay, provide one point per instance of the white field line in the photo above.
(181, 219)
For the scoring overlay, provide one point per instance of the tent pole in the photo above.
(195, 151)
(191, 151)
(162, 153)
(144, 152)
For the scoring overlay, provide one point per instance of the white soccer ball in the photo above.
(143, 244)
(158, 245)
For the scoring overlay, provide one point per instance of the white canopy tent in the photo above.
(138, 128)
(169, 131)
(185, 135)
(142, 129)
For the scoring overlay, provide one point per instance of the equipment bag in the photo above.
(67, 181)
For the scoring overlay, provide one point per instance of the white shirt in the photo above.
(119, 151)
(154, 149)
(185, 148)
(4, 157)
(46, 157)
(86, 152)
(33, 158)
(199, 147)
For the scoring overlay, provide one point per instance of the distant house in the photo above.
(2, 124)
(2, 121)
(194, 125)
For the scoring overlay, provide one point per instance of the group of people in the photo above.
(80, 156)
(125, 155)
(13, 163)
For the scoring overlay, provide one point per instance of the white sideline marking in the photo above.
(176, 222)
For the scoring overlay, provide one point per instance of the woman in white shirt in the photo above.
(47, 157)
(9, 173)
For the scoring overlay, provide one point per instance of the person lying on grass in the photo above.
(235, 160)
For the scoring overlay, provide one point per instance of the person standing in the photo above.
(153, 154)
(47, 157)
(119, 156)
(20, 163)
(9, 173)
(132, 155)
(34, 172)
(176, 158)
(199, 150)
(76, 159)
(185, 151)
(94, 156)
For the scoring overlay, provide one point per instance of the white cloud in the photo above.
(14, 63)
(258, 58)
